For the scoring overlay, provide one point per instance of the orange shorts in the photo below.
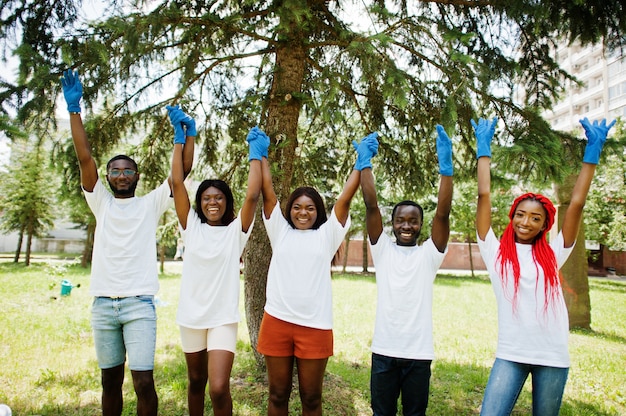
(278, 338)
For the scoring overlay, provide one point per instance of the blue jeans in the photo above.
(392, 376)
(507, 380)
(124, 325)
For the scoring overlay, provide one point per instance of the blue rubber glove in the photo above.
(444, 152)
(190, 125)
(596, 136)
(72, 90)
(365, 150)
(484, 131)
(258, 143)
(176, 116)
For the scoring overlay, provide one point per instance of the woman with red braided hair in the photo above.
(533, 326)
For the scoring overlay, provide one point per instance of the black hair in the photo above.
(229, 214)
(122, 157)
(409, 203)
(317, 200)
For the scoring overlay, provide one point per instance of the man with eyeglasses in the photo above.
(123, 282)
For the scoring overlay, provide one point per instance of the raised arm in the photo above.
(267, 187)
(342, 206)
(596, 136)
(366, 149)
(182, 160)
(441, 222)
(258, 143)
(373, 219)
(73, 92)
(484, 132)
(184, 133)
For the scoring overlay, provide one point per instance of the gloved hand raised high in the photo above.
(258, 143)
(444, 152)
(176, 116)
(596, 136)
(366, 150)
(484, 132)
(72, 90)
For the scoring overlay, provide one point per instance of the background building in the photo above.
(603, 94)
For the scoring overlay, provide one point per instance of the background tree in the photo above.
(26, 202)
(314, 77)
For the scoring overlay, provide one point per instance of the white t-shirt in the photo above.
(529, 334)
(209, 288)
(404, 281)
(299, 278)
(124, 259)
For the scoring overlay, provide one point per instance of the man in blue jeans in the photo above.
(402, 346)
(124, 277)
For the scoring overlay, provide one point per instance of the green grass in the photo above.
(48, 366)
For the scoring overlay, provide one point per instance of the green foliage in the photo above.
(26, 201)
(402, 70)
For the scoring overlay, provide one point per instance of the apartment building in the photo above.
(603, 94)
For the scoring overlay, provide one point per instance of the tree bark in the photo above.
(283, 112)
(365, 253)
(88, 250)
(471, 257)
(20, 239)
(575, 270)
(345, 252)
(29, 241)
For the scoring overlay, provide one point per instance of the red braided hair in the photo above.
(542, 252)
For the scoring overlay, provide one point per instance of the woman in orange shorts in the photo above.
(297, 324)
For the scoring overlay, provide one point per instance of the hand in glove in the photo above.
(366, 150)
(72, 90)
(484, 131)
(444, 152)
(596, 136)
(258, 143)
(176, 116)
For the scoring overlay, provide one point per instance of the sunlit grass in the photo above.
(48, 366)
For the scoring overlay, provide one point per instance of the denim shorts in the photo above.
(121, 326)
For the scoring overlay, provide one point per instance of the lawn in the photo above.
(48, 366)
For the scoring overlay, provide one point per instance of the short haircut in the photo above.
(409, 203)
(122, 157)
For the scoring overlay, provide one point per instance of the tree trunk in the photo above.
(345, 252)
(575, 270)
(256, 263)
(471, 258)
(29, 241)
(366, 260)
(88, 250)
(283, 112)
(20, 239)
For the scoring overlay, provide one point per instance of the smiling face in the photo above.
(407, 224)
(528, 221)
(121, 181)
(213, 203)
(303, 213)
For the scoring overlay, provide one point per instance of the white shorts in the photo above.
(219, 338)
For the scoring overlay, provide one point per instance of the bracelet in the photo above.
(74, 112)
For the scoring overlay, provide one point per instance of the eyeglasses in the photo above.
(115, 173)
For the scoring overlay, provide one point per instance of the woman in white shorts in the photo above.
(208, 310)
